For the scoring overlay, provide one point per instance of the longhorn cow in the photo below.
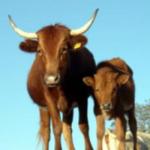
(55, 79)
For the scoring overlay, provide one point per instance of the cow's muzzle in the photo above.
(106, 107)
(52, 80)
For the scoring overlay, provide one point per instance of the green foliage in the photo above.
(143, 116)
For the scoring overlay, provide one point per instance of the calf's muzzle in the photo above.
(106, 107)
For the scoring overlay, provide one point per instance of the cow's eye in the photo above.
(64, 50)
(39, 51)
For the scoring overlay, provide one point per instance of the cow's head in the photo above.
(53, 44)
(106, 84)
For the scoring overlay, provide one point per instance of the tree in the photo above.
(143, 116)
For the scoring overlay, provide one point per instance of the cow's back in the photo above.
(122, 65)
(126, 93)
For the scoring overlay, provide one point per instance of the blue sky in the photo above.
(121, 29)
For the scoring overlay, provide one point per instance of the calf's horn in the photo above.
(26, 35)
(86, 26)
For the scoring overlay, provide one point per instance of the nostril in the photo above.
(109, 105)
(57, 78)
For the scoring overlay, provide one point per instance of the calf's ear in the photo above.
(89, 81)
(29, 45)
(123, 79)
(77, 42)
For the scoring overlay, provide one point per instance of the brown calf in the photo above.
(55, 79)
(113, 87)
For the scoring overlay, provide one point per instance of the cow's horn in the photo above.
(86, 26)
(22, 33)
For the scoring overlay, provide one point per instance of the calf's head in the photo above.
(53, 45)
(106, 84)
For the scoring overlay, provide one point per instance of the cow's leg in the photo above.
(67, 130)
(83, 124)
(100, 123)
(120, 123)
(54, 113)
(57, 129)
(44, 131)
(133, 127)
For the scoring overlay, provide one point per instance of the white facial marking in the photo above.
(51, 78)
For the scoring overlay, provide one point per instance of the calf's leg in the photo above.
(100, 124)
(120, 123)
(133, 127)
(100, 131)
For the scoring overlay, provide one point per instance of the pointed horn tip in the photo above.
(96, 12)
(9, 17)
(86, 26)
(10, 20)
(20, 32)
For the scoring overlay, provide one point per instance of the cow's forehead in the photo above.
(53, 30)
(52, 36)
(52, 33)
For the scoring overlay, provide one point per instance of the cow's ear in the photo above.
(89, 81)
(29, 45)
(77, 42)
(123, 79)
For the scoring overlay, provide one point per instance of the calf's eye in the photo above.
(96, 90)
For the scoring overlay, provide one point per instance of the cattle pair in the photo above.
(61, 78)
